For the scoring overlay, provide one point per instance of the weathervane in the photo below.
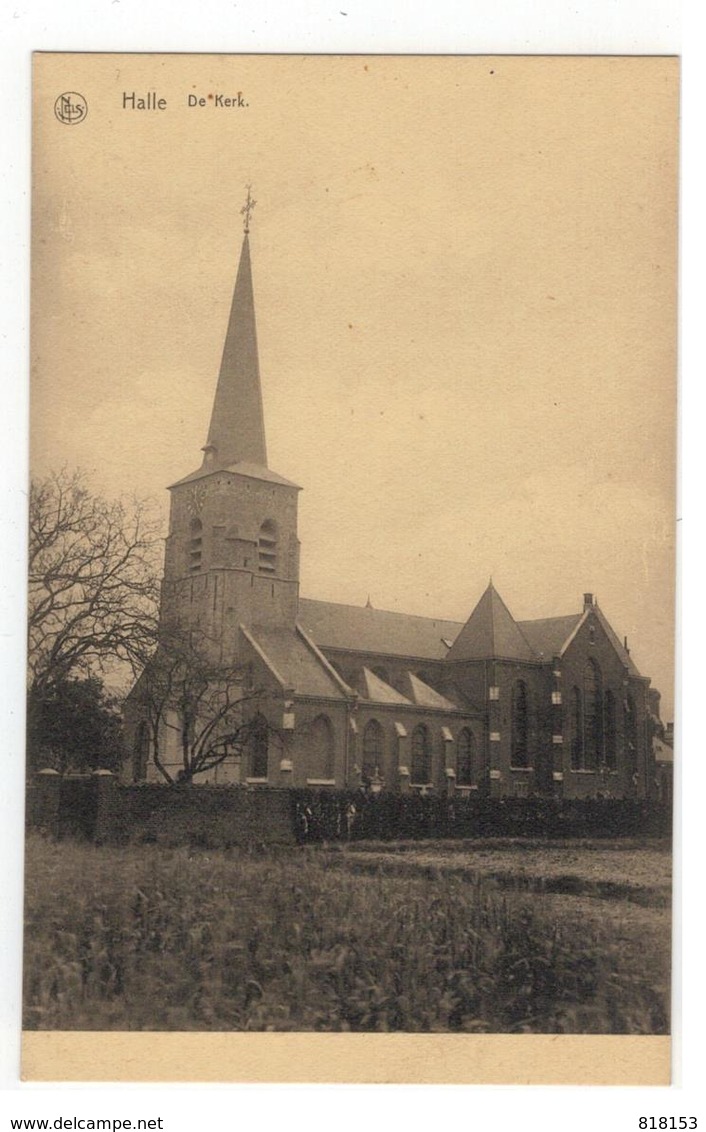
(247, 209)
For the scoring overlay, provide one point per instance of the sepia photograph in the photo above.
(350, 693)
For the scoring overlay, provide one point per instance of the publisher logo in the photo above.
(71, 108)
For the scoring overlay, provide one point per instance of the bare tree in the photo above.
(94, 568)
(93, 581)
(211, 706)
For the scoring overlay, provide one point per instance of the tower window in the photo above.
(195, 544)
(267, 548)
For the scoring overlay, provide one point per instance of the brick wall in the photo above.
(97, 808)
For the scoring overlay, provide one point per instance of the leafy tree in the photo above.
(78, 728)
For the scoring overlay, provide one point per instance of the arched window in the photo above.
(195, 544)
(267, 548)
(630, 735)
(373, 749)
(576, 729)
(610, 731)
(465, 752)
(321, 745)
(421, 756)
(257, 748)
(592, 716)
(520, 725)
(140, 753)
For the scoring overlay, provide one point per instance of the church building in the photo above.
(358, 697)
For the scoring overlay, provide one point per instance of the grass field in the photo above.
(407, 937)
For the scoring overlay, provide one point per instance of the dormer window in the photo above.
(267, 548)
(195, 545)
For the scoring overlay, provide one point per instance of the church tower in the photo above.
(232, 553)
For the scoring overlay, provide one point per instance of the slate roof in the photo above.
(424, 696)
(237, 429)
(295, 663)
(618, 644)
(491, 631)
(363, 629)
(375, 689)
(548, 635)
(242, 468)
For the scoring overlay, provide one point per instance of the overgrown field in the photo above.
(149, 938)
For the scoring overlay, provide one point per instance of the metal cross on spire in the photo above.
(247, 209)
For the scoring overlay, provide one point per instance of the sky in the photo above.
(464, 274)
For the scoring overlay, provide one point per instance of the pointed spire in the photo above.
(237, 430)
(491, 632)
(368, 604)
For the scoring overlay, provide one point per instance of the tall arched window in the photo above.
(140, 753)
(592, 716)
(465, 752)
(257, 748)
(610, 731)
(630, 735)
(195, 544)
(520, 725)
(321, 744)
(373, 749)
(267, 548)
(576, 729)
(421, 756)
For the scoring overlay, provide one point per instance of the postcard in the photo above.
(352, 536)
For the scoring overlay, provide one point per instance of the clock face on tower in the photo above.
(195, 498)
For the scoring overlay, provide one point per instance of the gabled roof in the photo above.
(616, 642)
(363, 629)
(373, 688)
(421, 694)
(548, 635)
(491, 631)
(293, 663)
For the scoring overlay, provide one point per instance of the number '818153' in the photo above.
(667, 1122)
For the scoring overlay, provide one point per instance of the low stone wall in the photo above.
(96, 808)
